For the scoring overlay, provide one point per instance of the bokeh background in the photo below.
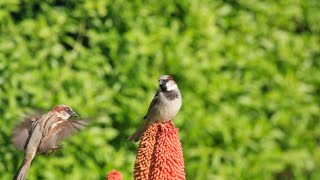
(248, 70)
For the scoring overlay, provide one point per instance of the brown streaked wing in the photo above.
(61, 130)
(154, 101)
(22, 132)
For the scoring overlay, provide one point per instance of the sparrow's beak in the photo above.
(72, 113)
(162, 82)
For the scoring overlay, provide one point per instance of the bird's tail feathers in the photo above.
(23, 169)
(139, 133)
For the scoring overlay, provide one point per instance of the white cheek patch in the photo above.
(171, 85)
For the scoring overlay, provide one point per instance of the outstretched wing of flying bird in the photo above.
(22, 132)
(59, 131)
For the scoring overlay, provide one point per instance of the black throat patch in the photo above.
(171, 95)
(163, 87)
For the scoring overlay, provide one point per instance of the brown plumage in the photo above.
(41, 134)
(164, 106)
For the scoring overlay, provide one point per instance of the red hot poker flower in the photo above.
(114, 175)
(160, 154)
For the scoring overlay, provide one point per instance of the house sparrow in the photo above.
(42, 134)
(164, 106)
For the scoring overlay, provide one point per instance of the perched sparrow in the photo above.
(164, 106)
(42, 134)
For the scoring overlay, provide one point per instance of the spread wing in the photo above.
(22, 132)
(59, 131)
(153, 102)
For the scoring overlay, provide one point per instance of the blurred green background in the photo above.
(248, 70)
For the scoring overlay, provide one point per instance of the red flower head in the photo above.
(160, 154)
(114, 175)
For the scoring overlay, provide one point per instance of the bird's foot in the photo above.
(54, 149)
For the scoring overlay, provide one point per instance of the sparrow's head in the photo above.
(167, 83)
(64, 111)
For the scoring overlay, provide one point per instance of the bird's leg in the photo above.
(54, 149)
(171, 123)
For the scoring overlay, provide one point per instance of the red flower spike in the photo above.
(114, 175)
(160, 154)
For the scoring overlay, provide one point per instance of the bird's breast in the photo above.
(166, 109)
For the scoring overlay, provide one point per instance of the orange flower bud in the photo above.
(160, 154)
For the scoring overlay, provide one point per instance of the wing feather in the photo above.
(153, 102)
(59, 131)
(22, 132)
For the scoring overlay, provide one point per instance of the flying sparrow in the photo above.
(41, 134)
(164, 106)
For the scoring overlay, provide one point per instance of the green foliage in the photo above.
(249, 72)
